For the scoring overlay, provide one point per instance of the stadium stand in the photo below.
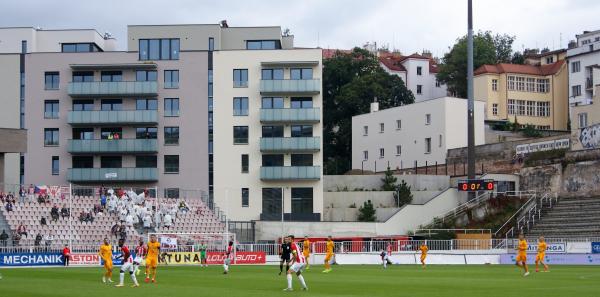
(571, 217)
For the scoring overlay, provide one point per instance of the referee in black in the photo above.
(285, 253)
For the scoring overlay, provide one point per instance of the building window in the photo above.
(159, 49)
(240, 78)
(272, 74)
(51, 80)
(302, 160)
(582, 117)
(111, 162)
(55, 165)
(83, 133)
(530, 84)
(240, 135)
(302, 200)
(543, 109)
(428, 145)
(211, 44)
(576, 90)
(271, 201)
(494, 85)
(80, 48)
(145, 133)
(428, 119)
(549, 60)
(240, 106)
(520, 107)
(146, 104)
(419, 89)
(301, 73)
(419, 70)
(520, 83)
(171, 107)
(82, 161)
(50, 136)
(301, 102)
(23, 46)
(495, 109)
(398, 150)
(171, 163)
(83, 76)
(438, 84)
(575, 66)
(511, 107)
(245, 197)
(172, 135)
(302, 131)
(171, 79)
(146, 75)
(440, 140)
(146, 162)
(365, 130)
(245, 163)
(272, 102)
(263, 44)
(365, 155)
(381, 127)
(381, 153)
(543, 85)
(272, 160)
(511, 83)
(51, 109)
(172, 193)
(531, 108)
(272, 131)
(111, 104)
(111, 76)
(398, 124)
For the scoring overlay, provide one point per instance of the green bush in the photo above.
(366, 213)
(403, 195)
(536, 157)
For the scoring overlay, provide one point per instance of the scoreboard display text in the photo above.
(476, 185)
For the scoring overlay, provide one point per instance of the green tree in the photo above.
(487, 49)
(403, 195)
(517, 58)
(350, 83)
(389, 181)
(366, 213)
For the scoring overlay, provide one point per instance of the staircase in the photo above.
(571, 217)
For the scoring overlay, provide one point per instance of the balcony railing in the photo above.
(113, 117)
(290, 86)
(290, 144)
(113, 88)
(290, 173)
(112, 146)
(290, 115)
(112, 174)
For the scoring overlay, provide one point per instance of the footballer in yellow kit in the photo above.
(424, 249)
(328, 254)
(522, 254)
(306, 250)
(106, 255)
(152, 258)
(541, 254)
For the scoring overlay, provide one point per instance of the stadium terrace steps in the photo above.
(571, 217)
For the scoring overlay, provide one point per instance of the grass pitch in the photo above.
(348, 280)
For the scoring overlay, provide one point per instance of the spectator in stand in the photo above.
(9, 206)
(22, 230)
(147, 222)
(64, 211)
(43, 221)
(16, 238)
(48, 238)
(66, 253)
(89, 217)
(3, 238)
(54, 213)
(183, 207)
(38, 239)
(116, 136)
(157, 219)
(168, 221)
(129, 220)
(82, 217)
(97, 209)
(123, 231)
(103, 201)
(115, 229)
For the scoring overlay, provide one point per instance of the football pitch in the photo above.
(347, 280)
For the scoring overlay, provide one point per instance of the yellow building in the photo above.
(585, 124)
(528, 94)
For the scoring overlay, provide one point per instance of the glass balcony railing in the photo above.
(112, 88)
(290, 173)
(112, 117)
(112, 174)
(290, 86)
(289, 115)
(290, 144)
(112, 146)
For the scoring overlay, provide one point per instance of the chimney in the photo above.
(374, 105)
(572, 44)
(224, 24)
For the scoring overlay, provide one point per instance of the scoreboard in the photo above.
(473, 185)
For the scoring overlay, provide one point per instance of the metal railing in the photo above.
(527, 215)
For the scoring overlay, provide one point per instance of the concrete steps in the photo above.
(571, 217)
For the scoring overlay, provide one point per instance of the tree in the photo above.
(389, 181)
(403, 195)
(350, 83)
(517, 58)
(366, 213)
(487, 49)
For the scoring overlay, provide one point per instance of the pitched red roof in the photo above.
(330, 53)
(394, 61)
(543, 70)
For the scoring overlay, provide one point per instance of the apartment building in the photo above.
(583, 57)
(412, 135)
(527, 94)
(418, 73)
(585, 124)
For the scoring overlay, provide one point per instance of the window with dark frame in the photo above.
(171, 107)
(146, 104)
(302, 131)
(51, 80)
(146, 75)
(51, 109)
(171, 135)
(301, 160)
(171, 79)
(55, 165)
(240, 134)
(240, 106)
(159, 49)
(245, 197)
(51, 136)
(272, 160)
(302, 200)
(245, 163)
(263, 44)
(272, 131)
(301, 73)
(171, 163)
(272, 74)
(301, 102)
(240, 78)
(272, 102)
(146, 133)
(146, 162)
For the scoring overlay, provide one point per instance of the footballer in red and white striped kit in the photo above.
(228, 258)
(140, 254)
(127, 265)
(298, 264)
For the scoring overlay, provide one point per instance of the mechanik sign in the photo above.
(472, 185)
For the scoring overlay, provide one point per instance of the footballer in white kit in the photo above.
(298, 265)
(228, 256)
(127, 265)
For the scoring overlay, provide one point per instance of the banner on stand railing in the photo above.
(31, 259)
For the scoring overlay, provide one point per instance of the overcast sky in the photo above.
(408, 26)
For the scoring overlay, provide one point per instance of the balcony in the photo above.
(290, 87)
(112, 117)
(113, 146)
(112, 175)
(279, 173)
(113, 88)
(290, 115)
(290, 144)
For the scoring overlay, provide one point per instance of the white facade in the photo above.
(50, 41)
(421, 132)
(416, 74)
(229, 175)
(584, 69)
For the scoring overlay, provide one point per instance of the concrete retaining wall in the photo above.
(336, 183)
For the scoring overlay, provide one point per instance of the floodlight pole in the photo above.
(470, 95)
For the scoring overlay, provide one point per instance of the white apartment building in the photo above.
(267, 134)
(421, 132)
(584, 67)
(418, 73)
